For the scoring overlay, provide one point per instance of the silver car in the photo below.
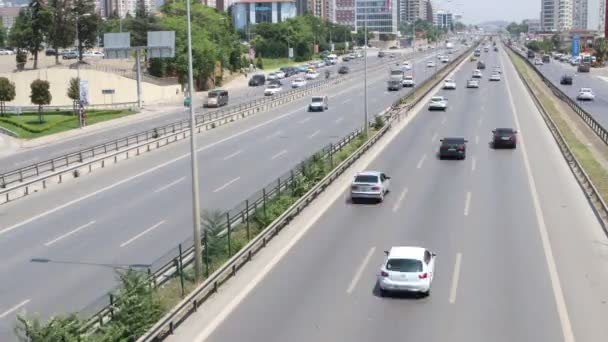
(369, 185)
(472, 83)
(438, 103)
(407, 269)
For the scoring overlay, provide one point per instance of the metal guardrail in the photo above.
(35, 171)
(595, 126)
(68, 108)
(595, 198)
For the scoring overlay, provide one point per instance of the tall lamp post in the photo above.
(366, 121)
(80, 104)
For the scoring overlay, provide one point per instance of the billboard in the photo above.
(161, 44)
(117, 45)
(575, 45)
(83, 88)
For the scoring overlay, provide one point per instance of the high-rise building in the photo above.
(322, 9)
(564, 18)
(250, 12)
(443, 19)
(602, 26)
(412, 10)
(556, 15)
(345, 12)
(533, 25)
(429, 12)
(380, 15)
(579, 14)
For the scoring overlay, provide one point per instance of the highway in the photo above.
(520, 254)
(135, 212)
(154, 119)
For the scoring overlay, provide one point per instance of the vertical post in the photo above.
(196, 217)
(264, 200)
(111, 305)
(181, 269)
(279, 186)
(229, 235)
(138, 67)
(247, 214)
(365, 122)
(206, 254)
(331, 156)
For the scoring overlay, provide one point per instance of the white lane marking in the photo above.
(142, 234)
(359, 272)
(346, 101)
(165, 187)
(477, 139)
(444, 120)
(421, 161)
(278, 155)
(480, 121)
(314, 134)
(399, 200)
(305, 120)
(69, 233)
(338, 120)
(13, 309)
(275, 134)
(558, 294)
(473, 164)
(467, 203)
(226, 185)
(434, 138)
(455, 277)
(233, 155)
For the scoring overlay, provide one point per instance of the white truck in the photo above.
(449, 45)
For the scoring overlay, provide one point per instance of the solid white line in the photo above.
(444, 120)
(346, 101)
(314, 134)
(473, 164)
(13, 309)
(338, 120)
(165, 187)
(421, 161)
(142, 234)
(226, 185)
(278, 155)
(399, 200)
(480, 121)
(434, 138)
(273, 135)
(467, 203)
(455, 278)
(305, 120)
(233, 155)
(558, 294)
(69, 233)
(357, 276)
(477, 139)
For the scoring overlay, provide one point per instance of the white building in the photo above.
(412, 10)
(443, 19)
(602, 18)
(556, 15)
(579, 14)
(381, 16)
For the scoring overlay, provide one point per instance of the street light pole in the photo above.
(366, 122)
(196, 217)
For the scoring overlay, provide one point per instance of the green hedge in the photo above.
(40, 128)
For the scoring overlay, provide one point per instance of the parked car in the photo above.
(280, 74)
(94, 54)
(48, 52)
(217, 98)
(70, 55)
(538, 61)
(343, 70)
(6, 52)
(257, 80)
(272, 76)
(454, 147)
(369, 185)
(583, 68)
(407, 269)
(318, 103)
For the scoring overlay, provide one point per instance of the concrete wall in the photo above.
(125, 88)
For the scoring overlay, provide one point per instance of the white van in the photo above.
(333, 59)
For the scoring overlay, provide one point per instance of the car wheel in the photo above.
(382, 293)
(427, 293)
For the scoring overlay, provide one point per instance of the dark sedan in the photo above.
(453, 148)
(344, 70)
(566, 80)
(504, 137)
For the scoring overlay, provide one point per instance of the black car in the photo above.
(481, 65)
(344, 70)
(504, 137)
(566, 80)
(393, 47)
(381, 54)
(583, 68)
(50, 52)
(455, 148)
(289, 71)
(257, 80)
(277, 81)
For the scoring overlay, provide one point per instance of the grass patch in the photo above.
(597, 173)
(27, 126)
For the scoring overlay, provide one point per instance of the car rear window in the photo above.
(453, 141)
(404, 265)
(366, 179)
(317, 99)
(504, 131)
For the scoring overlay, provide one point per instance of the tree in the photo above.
(556, 40)
(40, 95)
(601, 50)
(28, 30)
(213, 223)
(3, 36)
(74, 92)
(61, 32)
(60, 328)
(515, 28)
(86, 23)
(7, 92)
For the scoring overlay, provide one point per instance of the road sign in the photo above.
(83, 87)
(290, 52)
(575, 45)
(161, 44)
(117, 45)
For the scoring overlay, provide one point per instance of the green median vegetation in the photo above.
(28, 126)
(597, 173)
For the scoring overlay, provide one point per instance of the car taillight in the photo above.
(376, 188)
(423, 275)
(461, 148)
(383, 274)
(354, 187)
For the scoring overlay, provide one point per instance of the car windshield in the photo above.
(366, 179)
(273, 86)
(436, 98)
(404, 265)
(317, 99)
(213, 94)
(452, 141)
(504, 131)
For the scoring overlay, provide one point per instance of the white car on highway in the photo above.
(280, 74)
(272, 76)
(318, 103)
(407, 269)
(585, 94)
(538, 61)
(438, 103)
(406, 65)
(473, 83)
(311, 75)
(445, 59)
(477, 73)
(408, 81)
(449, 84)
(298, 82)
(369, 185)
(430, 64)
(495, 76)
(95, 54)
(272, 89)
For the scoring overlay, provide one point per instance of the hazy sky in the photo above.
(477, 11)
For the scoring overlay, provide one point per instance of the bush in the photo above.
(379, 122)
(259, 63)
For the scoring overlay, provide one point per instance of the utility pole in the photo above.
(414, 54)
(196, 216)
(365, 123)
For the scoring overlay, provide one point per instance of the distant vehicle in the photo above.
(531, 54)
(546, 59)
(298, 82)
(564, 58)
(473, 59)
(504, 137)
(585, 94)
(272, 89)
(277, 81)
(397, 73)
(94, 54)
(302, 68)
(392, 55)
(566, 80)
(48, 52)
(332, 59)
(495, 77)
(477, 53)
(496, 48)
(217, 98)
(406, 65)
(449, 45)
(393, 47)
(369, 185)
(486, 49)
(257, 80)
(343, 70)
(439, 57)
(538, 61)
(449, 84)
(289, 71)
(583, 68)
(70, 55)
(280, 74)
(395, 83)
(381, 54)
(346, 58)
(407, 269)
(272, 76)
(496, 69)
(472, 83)
(481, 65)
(477, 73)
(438, 103)
(311, 75)
(445, 59)
(408, 81)
(453, 148)
(430, 64)
(318, 103)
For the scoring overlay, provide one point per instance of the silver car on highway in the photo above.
(407, 269)
(369, 185)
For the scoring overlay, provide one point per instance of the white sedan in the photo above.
(430, 64)
(473, 83)
(272, 76)
(449, 84)
(445, 59)
(406, 65)
(93, 54)
(311, 75)
(369, 185)
(438, 103)
(298, 82)
(407, 269)
(585, 94)
(280, 74)
(272, 89)
(495, 77)
(477, 73)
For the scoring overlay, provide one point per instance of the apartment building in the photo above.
(345, 12)
(322, 8)
(380, 16)
(556, 15)
(411, 10)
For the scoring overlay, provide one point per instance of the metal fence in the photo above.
(597, 128)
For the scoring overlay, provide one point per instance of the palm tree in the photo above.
(601, 50)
